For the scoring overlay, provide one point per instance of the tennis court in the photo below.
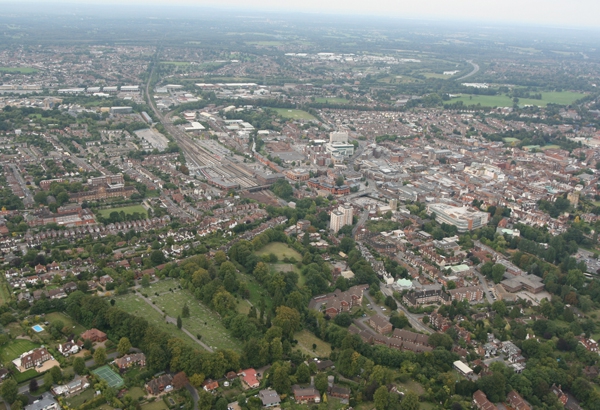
(106, 373)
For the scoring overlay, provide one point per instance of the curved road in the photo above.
(475, 70)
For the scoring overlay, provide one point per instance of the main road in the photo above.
(475, 70)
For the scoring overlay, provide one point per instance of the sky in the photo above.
(566, 13)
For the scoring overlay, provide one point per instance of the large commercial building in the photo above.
(341, 217)
(464, 219)
(338, 144)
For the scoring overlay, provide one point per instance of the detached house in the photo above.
(305, 395)
(137, 359)
(160, 384)
(34, 358)
(94, 335)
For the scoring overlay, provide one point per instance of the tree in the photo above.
(56, 374)
(410, 401)
(179, 322)
(441, 339)
(321, 382)
(79, 365)
(221, 404)
(9, 390)
(157, 257)
(303, 373)
(124, 346)
(281, 379)
(180, 380)
(48, 380)
(339, 181)
(197, 379)
(381, 398)
(33, 385)
(145, 281)
(100, 356)
(288, 320)
(185, 311)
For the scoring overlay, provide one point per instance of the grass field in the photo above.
(155, 405)
(106, 373)
(202, 320)
(563, 98)
(176, 63)
(136, 392)
(4, 292)
(128, 210)
(257, 291)
(510, 140)
(18, 70)
(25, 376)
(281, 250)
(77, 328)
(332, 100)
(16, 348)
(305, 341)
(134, 305)
(76, 401)
(244, 306)
(294, 114)
(162, 286)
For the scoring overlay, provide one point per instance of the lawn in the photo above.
(257, 291)
(4, 292)
(510, 140)
(16, 348)
(134, 305)
(563, 98)
(161, 286)
(305, 343)
(155, 405)
(332, 100)
(78, 400)
(77, 328)
(175, 63)
(281, 250)
(136, 392)
(128, 210)
(18, 70)
(294, 114)
(244, 306)
(202, 320)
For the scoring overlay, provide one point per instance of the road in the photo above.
(361, 221)
(475, 70)
(194, 394)
(483, 282)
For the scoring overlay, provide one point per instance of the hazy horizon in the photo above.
(581, 14)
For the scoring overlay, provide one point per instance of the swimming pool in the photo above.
(37, 328)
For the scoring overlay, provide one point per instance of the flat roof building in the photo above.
(463, 218)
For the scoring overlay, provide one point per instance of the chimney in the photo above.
(330, 381)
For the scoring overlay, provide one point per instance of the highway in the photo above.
(475, 70)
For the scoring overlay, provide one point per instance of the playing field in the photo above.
(294, 114)
(128, 210)
(176, 63)
(16, 348)
(18, 70)
(563, 98)
(106, 373)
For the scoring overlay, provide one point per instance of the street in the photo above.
(412, 318)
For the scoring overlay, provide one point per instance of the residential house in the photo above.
(338, 392)
(589, 344)
(159, 384)
(34, 358)
(210, 385)
(94, 335)
(249, 378)
(72, 388)
(269, 398)
(47, 402)
(481, 402)
(136, 359)
(516, 401)
(305, 395)
(69, 348)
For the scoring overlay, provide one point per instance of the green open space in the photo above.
(136, 392)
(281, 250)
(306, 340)
(332, 100)
(16, 348)
(25, 376)
(128, 210)
(257, 291)
(556, 97)
(265, 43)
(161, 286)
(76, 401)
(107, 374)
(134, 305)
(18, 70)
(155, 405)
(54, 316)
(4, 292)
(294, 114)
(202, 320)
(510, 140)
(244, 306)
(176, 63)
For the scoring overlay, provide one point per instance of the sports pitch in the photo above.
(106, 373)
